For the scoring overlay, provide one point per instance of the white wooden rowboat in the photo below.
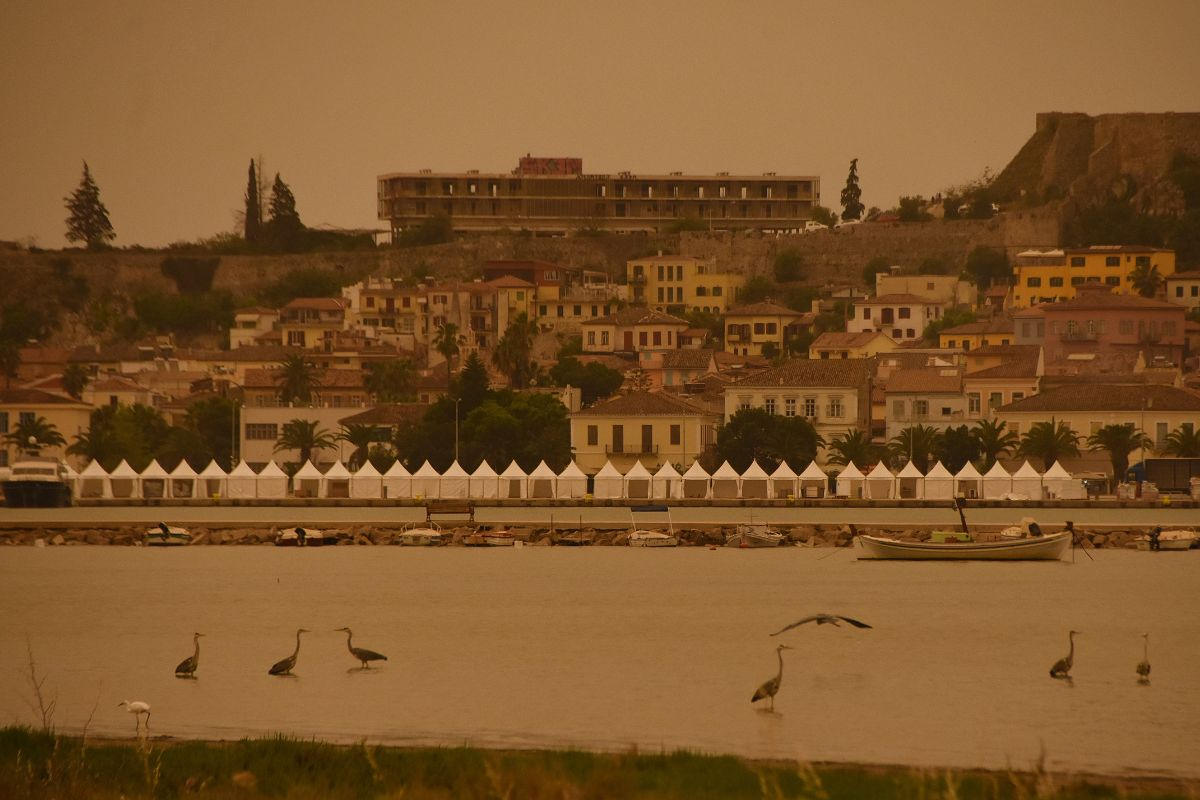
(1036, 548)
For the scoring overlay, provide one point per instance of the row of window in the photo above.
(1125, 327)
(920, 409)
(1194, 293)
(326, 400)
(1111, 261)
(1079, 280)
(538, 207)
(806, 406)
(515, 188)
(675, 436)
(560, 310)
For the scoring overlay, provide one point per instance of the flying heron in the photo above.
(771, 687)
(1143, 669)
(137, 708)
(361, 653)
(1062, 667)
(823, 619)
(187, 667)
(284, 667)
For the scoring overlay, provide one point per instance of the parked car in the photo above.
(812, 226)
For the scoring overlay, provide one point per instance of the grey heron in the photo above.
(284, 667)
(1143, 669)
(137, 708)
(823, 619)
(187, 667)
(361, 653)
(771, 687)
(1062, 667)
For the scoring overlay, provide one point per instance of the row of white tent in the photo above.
(543, 482)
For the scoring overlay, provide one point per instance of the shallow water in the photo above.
(615, 647)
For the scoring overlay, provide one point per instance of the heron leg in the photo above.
(147, 722)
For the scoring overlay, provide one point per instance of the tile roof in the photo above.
(511, 282)
(897, 299)
(36, 397)
(1108, 397)
(641, 404)
(637, 315)
(764, 308)
(1098, 300)
(947, 380)
(837, 340)
(813, 372)
(318, 303)
(387, 414)
(687, 359)
(1006, 350)
(323, 379)
(1016, 368)
(995, 325)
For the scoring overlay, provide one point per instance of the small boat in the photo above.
(500, 538)
(422, 535)
(754, 535)
(303, 537)
(1180, 539)
(1034, 548)
(37, 482)
(164, 535)
(573, 539)
(641, 538)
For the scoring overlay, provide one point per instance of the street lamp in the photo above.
(457, 400)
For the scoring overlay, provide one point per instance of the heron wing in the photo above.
(280, 666)
(185, 666)
(812, 618)
(855, 622)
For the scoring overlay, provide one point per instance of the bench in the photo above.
(449, 508)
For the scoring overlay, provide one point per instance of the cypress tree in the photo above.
(253, 211)
(284, 225)
(852, 207)
(88, 221)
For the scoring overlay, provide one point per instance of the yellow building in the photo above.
(1050, 276)
(969, 336)
(308, 321)
(636, 329)
(672, 282)
(69, 417)
(651, 427)
(750, 328)
(838, 344)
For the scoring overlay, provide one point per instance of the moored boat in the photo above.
(754, 535)
(1034, 548)
(164, 535)
(642, 538)
(37, 482)
(422, 535)
(500, 538)
(303, 537)
(1179, 539)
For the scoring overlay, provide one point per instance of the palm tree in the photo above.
(955, 447)
(994, 441)
(75, 379)
(297, 378)
(392, 381)
(1050, 441)
(853, 445)
(32, 435)
(1119, 441)
(361, 437)
(302, 435)
(1183, 442)
(513, 353)
(1146, 280)
(915, 444)
(448, 342)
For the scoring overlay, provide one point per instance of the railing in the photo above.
(1077, 336)
(631, 450)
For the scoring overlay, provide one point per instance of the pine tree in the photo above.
(852, 207)
(253, 209)
(284, 225)
(88, 221)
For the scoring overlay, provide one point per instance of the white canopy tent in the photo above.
(968, 482)
(213, 481)
(272, 482)
(454, 483)
(484, 483)
(123, 481)
(337, 481)
(397, 481)
(543, 482)
(939, 483)
(153, 481)
(72, 478)
(881, 483)
(182, 482)
(93, 481)
(997, 482)
(366, 483)
(755, 482)
(637, 482)
(572, 482)
(514, 483)
(784, 482)
(1061, 486)
(426, 481)
(726, 483)
(609, 483)
(696, 482)
(850, 481)
(910, 483)
(1027, 482)
(307, 482)
(813, 481)
(667, 483)
(242, 481)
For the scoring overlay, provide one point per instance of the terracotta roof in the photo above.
(511, 282)
(256, 310)
(897, 299)
(640, 404)
(1109, 397)
(995, 325)
(637, 315)
(765, 308)
(947, 380)
(318, 303)
(1016, 368)
(387, 414)
(1100, 249)
(44, 355)
(1090, 300)
(1006, 350)
(36, 397)
(687, 359)
(323, 379)
(116, 383)
(838, 340)
(813, 372)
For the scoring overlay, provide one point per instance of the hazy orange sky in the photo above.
(169, 101)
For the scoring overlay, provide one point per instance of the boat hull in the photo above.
(1041, 548)
(653, 540)
(36, 494)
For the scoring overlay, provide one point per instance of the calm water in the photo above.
(611, 647)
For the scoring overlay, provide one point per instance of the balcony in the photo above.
(1078, 336)
(631, 450)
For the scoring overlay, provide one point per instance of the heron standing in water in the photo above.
(1062, 667)
(771, 687)
(1143, 669)
(361, 653)
(187, 667)
(137, 708)
(284, 667)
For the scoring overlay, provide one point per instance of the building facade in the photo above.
(1183, 288)
(654, 428)
(902, 317)
(682, 282)
(751, 328)
(1051, 276)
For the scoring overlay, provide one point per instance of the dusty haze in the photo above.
(169, 102)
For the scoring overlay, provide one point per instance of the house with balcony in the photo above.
(1183, 289)
(839, 344)
(634, 329)
(69, 417)
(947, 291)
(654, 428)
(682, 283)
(308, 321)
(902, 317)
(251, 323)
(1099, 323)
(767, 326)
(998, 330)
(997, 375)
(932, 397)
(1051, 276)
(679, 367)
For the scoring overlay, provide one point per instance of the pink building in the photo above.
(1098, 322)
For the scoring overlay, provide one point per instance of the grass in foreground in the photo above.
(36, 765)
